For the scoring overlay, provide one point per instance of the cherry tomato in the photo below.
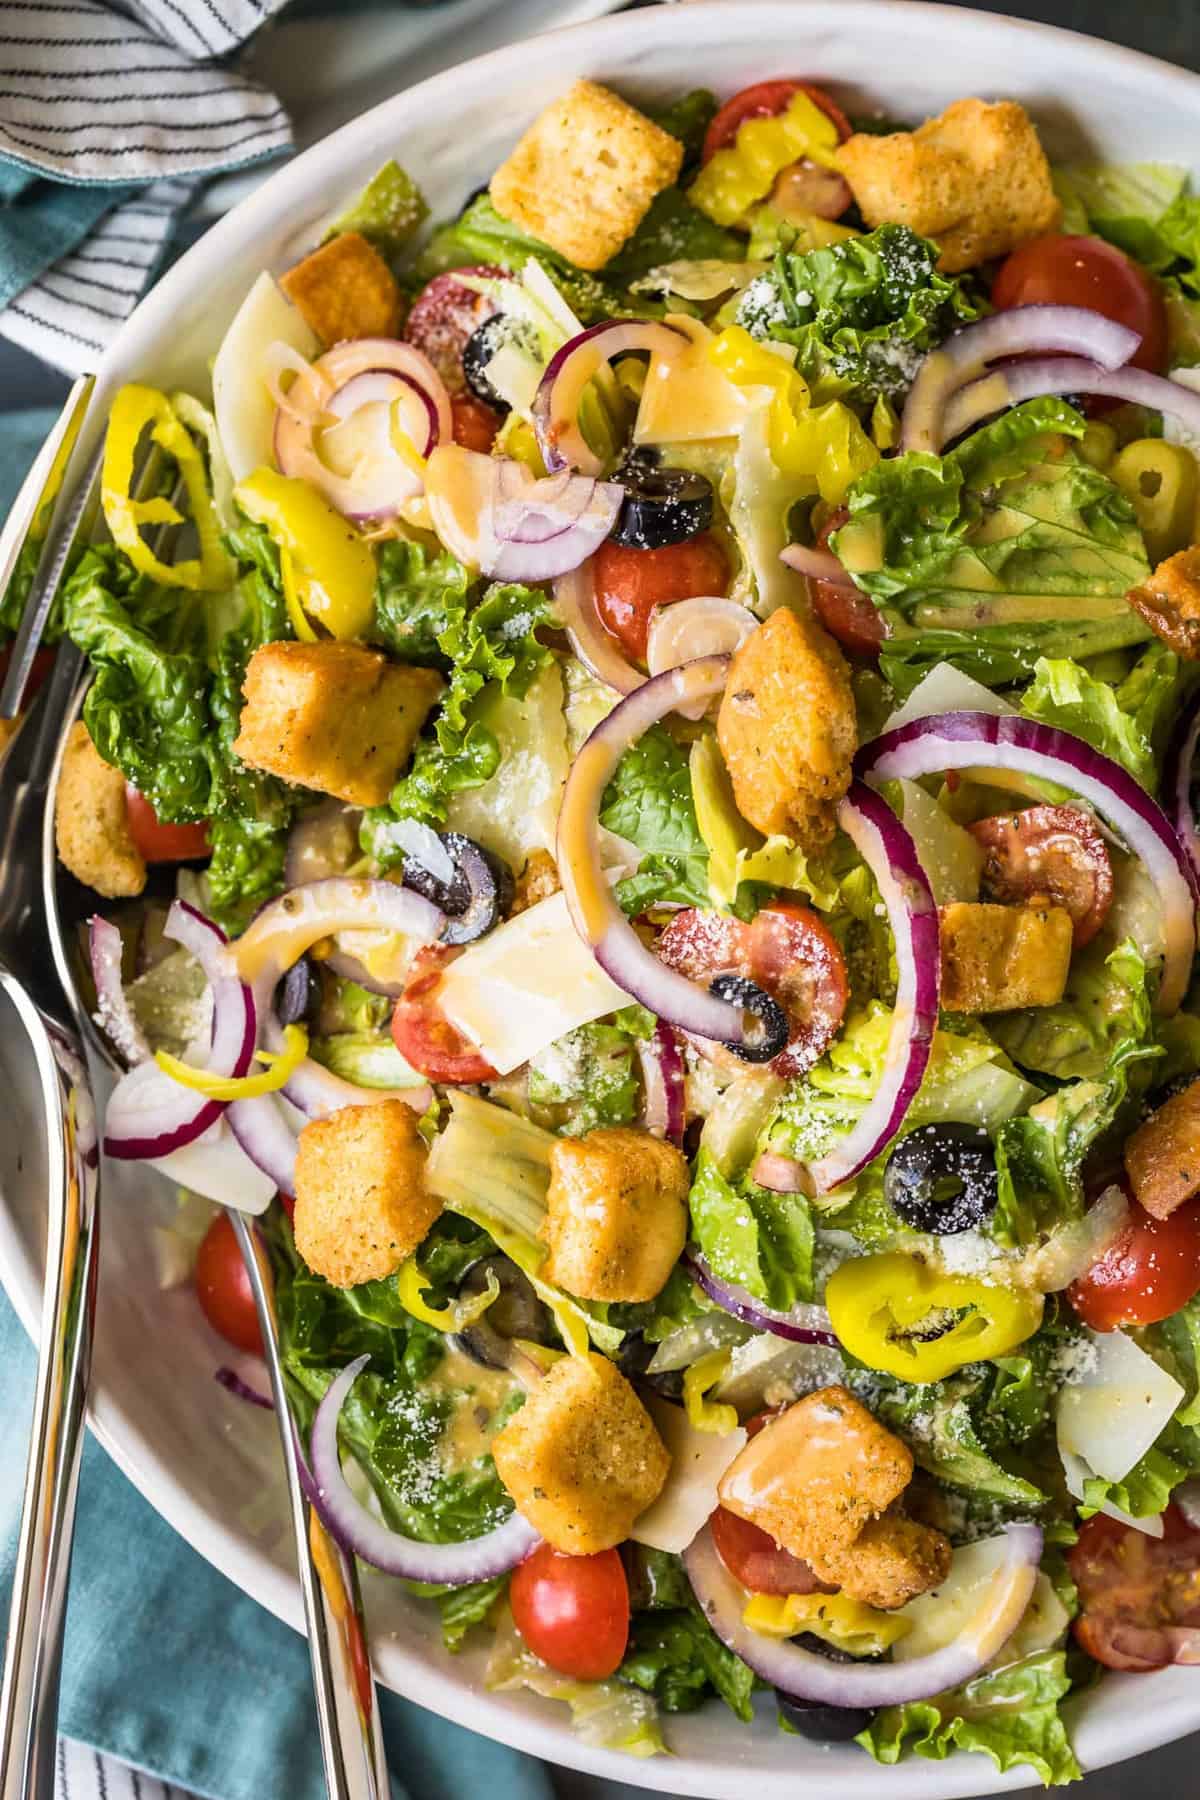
(573, 1611)
(847, 614)
(1149, 1271)
(1048, 854)
(223, 1288)
(786, 950)
(475, 425)
(629, 584)
(1140, 1596)
(424, 1037)
(1085, 271)
(762, 101)
(442, 318)
(754, 1558)
(162, 843)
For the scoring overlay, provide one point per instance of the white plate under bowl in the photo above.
(203, 1459)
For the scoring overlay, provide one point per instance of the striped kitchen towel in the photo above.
(110, 117)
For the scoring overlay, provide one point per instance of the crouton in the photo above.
(996, 958)
(333, 716)
(1169, 602)
(582, 1458)
(91, 825)
(975, 179)
(583, 176)
(1162, 1158)
(538, 880)
(361, 1202)
(890, 1561)
(616, 1219)
(345, 290)
(816, 1475)
(787, 729)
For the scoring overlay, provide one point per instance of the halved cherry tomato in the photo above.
(421, 1033)
(1064, 270)
(475, 425)
(847, 614)
(762, 101)
(629, 584)
(573, 1611)
(1140, 1596)
(754, 1558)
(158, 842)
(1148, 1272)
(1048, 854)
(786, 950)
(223, 1288)
(443, 316)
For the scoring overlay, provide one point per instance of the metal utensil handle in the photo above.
(347, 1706)
(33, 1651)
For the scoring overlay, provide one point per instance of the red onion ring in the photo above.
(890, 854)
(1067, 375)
(804, 1325)
(596, 648)
(359, 1532)
(496, 515)
(232, 1382)
(594, 912)
(113, 1011)
(967, 352)
(267, 1139)
(1177, 782)
(287, 927)
(661, 1063)
(817, 565)
(972, 740)
(802, 1675)
(384, 385)
(705, 625)
(556, 403)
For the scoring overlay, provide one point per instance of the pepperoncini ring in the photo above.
(136, 409)
(412, 1285)
(731, 181)
(894, 1313)
(281, 1066)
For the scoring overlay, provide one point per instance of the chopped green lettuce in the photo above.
(586, 1079)
(687, 118)
(420, 596)
(1100, 1027)
(1143, 208)
(1008, 549)
(649, 803)
(460, 1608)
(673, 230)
(759, 1240)
(675, 1655)
(1129, 722)
(388, 212)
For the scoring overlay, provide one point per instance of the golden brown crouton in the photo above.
(890, 1561)
(787, 728)
(996, 958)
(1169, 602)
(583, 176)
(616, 1221)
(345, 290)
(333, 716)
(538, 880)
(361, 1201)
(816, 1475)
(976, 179)
(582, 1458)
(91, 826)
(1162, 1158)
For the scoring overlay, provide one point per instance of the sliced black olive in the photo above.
(772, 1033)
(825, 1724)
(296, 993)
(516, 1313)
(478, 352)
(661, 506)
(477, 895)
(942, 1178)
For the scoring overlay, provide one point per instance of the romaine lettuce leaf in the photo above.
(759, 1240)
(420, 596)
(649, 802)
(586, 1079)
(677, 1657)
(1143, 208)
(388, 212)
(1100, 1027)
(673, 230)
(460, 1608)
(1130, 722)
(687, 119)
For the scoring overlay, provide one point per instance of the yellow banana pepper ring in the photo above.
(282, 1065)
(329, 567)
(134, 409)
(412, 1285)
(705, 1414)
(897, 1314)
(823, 445)
(732, 180)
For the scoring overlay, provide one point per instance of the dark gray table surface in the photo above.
(1165, 28)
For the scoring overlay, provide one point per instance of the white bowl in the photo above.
(202, 1458)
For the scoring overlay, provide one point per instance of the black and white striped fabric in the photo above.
(92, 94)
(83, 1774)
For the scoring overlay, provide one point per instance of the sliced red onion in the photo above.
(266, 1137)
(149, 1114)
(802, 1675)
(803, 1325)
(556, 403)
(1016, 332)
(232, 1382)
(375, 387)
(359, 1532)
(317, 1092)
(289, 926)
(972, 740)
(596, 648)
(817, 565)
(496, 515)
(594, 912)
(113, 1011)
(889, 852)
(1177, 782)
(707, 625)
(661, 1063)
(1067, 375)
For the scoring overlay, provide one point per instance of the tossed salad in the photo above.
(641, 744)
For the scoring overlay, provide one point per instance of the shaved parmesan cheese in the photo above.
(698, 1461)
(527, 983)
(946, 689)
(1111, 1416)
(686, 397)
(938, 1617)
(242, 402)
(949, 855)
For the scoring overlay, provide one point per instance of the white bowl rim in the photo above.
(539, 1732)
